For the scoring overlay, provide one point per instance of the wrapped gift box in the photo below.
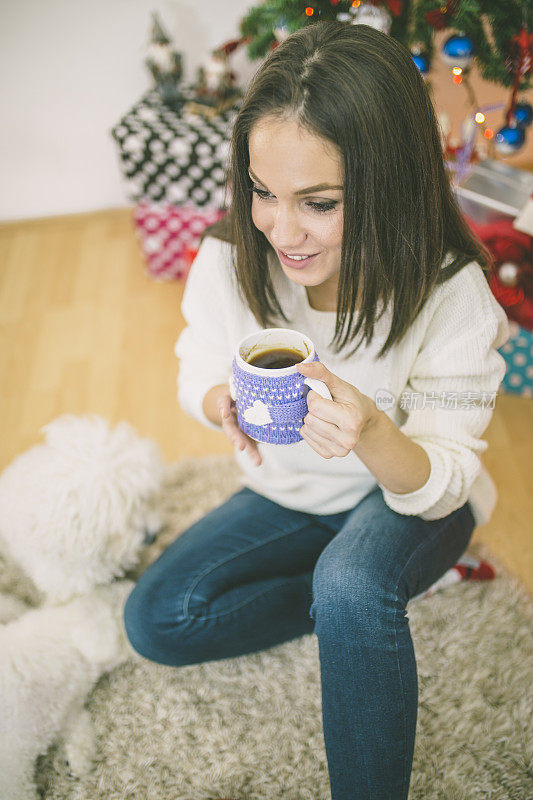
(174, 157)
(518, 354)
(170, 236)
(492, 190)
(511, 279)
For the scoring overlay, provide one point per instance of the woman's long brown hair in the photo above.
(359, 89)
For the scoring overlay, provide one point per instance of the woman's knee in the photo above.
(355, 590)
(163, 626)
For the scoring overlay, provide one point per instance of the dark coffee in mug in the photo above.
(276, 358)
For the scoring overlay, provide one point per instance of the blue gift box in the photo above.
(518, 355)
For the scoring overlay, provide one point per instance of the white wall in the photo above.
(68, 72)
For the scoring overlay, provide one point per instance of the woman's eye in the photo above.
(327, 205)
(261, 193)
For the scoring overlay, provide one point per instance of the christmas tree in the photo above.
(493, 34)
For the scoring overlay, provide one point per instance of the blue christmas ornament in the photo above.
(509, 140)
(458, 51)
(523, 115)
(422, 62)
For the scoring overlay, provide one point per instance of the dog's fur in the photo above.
(51, 659)
(75, 513)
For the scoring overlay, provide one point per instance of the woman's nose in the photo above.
(287, 233)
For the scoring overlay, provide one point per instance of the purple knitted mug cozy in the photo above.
(279, 402)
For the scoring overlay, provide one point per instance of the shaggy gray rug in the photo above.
(250, 728)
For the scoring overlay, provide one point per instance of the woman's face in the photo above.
(298, 202)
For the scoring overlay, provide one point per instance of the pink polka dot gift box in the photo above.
(170, 236)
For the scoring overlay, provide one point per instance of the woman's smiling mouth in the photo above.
(296, 261)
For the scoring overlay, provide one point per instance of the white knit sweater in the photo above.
(450, 348)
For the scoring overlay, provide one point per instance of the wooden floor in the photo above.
(84, 330)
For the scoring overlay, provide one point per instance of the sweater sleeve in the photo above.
(203, 347)
(450, 394)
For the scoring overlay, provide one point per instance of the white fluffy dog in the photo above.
(75, 513)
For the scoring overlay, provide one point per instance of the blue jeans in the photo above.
(252, 574)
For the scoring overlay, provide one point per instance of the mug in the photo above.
(271, 403)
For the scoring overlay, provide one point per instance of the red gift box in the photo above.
(510, 248)
(170, 236)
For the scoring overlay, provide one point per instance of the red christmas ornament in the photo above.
(442, 16)
(524, 47)
(520, 63)
(394, 6)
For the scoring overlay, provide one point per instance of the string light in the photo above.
(356, 3)
(309, 11)
(480, 117)
(457, 70)
(457, 79)
(488, 133)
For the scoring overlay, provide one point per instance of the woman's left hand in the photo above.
(334, 427)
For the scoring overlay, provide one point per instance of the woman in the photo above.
(342, 226)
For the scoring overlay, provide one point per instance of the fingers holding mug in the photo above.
(239, 439)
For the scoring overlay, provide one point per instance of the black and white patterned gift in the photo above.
(176, 157)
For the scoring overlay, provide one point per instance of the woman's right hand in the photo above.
(228, 416)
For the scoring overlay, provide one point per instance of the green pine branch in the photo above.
(493, 53)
